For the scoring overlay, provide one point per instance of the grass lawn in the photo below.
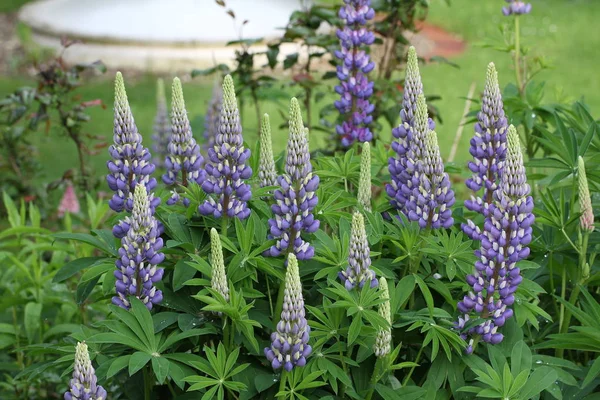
(551, 31)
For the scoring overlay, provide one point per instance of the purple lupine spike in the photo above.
(359, 272)
(139, 254)
(296, 198)
(516, 7)
(355, 88)
(184, 153)
(84, 385)
(162, 127)
(212, 119)
(226, 169)
(130, 164)
(289, 343)
(504, 242)
(432, 197)
(488, 148)
(413, 89)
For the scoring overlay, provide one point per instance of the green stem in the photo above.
(374, 379)
(414, 366)
(224, 221)
(269, 295)
(518, 54)
(282, 380)
(279, 305)
(345, 368)
(147, 382)
(552, 286)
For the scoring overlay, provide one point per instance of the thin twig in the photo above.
(463, 121)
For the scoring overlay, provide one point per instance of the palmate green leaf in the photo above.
(354, 330)
(137, 361)
(115, 338)
(132, 322)
(178, 336)
(73, 267)
(160, 366)
(541, 379)
(592, 373)
(200, 382)
(520, 359)
(117, 365)
(518, 383)
(32, 318)
(94, 241)
(426, 294)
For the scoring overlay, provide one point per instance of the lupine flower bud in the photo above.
(162, 127)
(488, 148)
(84, 385)
(212, 119)
(359, 272)
(289, 343)
(226, 169)
(383, 343)
(184, 153)
(355, 88)
(432, 198)
(506, 234)
(296, 198)
(585, 202)
(266, 164)
(130, 164)
(137, 270)
(516, 7)
(403, 146)
(69, 202)
(364, 181)
(218, 279)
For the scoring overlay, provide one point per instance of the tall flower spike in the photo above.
(130, 164)
(184, 157)
(432, 199)
(585, 202)
(137, 270)
(226, 170)
(504, 242)
(516, 7)
(364, 180)
(383, 342)
(289, 343)
(296, 198)
(212, 119)
(84, 385)
(162, 127)
(218, 279)
(488, 148)
(266, 164)
(359, 272)
(355, 88)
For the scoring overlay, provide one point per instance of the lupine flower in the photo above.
(355, 88)
(296, 198)
(516, 7)
(69, 202)
(488, 148)
(212, 119)
(266, 164)
(504, 240)
(184, 153)
(218, 279)
(84, 385)
(364, 180)
(359, 272)
(585, 202)
(406, 139)
(226, 169)
(130, 164)
(137, 270)
(289, 343)
(383, 342)
(162, 127)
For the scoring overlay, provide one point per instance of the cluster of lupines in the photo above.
(212, 119)
(516, 7)
(289, 343)
(383, 342)
(355, 88)
(218, 280)
(359, 272)
(226, 169)
(130, 164)
(586, 221)
(162, 127)
(296, 198)
(183, 152)
(409, 135)
(364, 180)
(488, 148)
(504, 239)
(84, 385)
(139, 254)
(267, 174)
